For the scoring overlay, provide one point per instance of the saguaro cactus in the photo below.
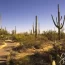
(57, 23)
(5, 28)
(38, 28)
(1, 27)
(30, 31)
(36, 23)
(15, 29)
(33, 28)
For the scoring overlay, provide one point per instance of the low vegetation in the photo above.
(35, 51)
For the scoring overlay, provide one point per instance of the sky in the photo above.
(21, 13)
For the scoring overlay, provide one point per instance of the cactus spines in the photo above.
(36, 27)
(57, 23)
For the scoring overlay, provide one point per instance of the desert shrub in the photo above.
(51, 35)
(36, 59)
(10, 58)
(21, 61)
(1, 42)
(62, 35)
(19, 37)
(4, 34)
(41, 37)
(24, 61)
(3, 63)
(29, 41)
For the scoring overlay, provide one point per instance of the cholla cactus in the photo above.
(57, 23)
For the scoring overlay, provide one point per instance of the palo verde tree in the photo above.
(57, 23)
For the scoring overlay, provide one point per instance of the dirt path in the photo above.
(5, 50)
(2, 46)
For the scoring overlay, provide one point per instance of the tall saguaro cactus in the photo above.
(5, 28)
(36, 23)
(38, 28)
(1, 27)
(33, 28)
(57, 23)
(15, 29)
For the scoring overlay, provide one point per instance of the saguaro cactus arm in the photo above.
(60, 18)
(63, 23)
(54, 21)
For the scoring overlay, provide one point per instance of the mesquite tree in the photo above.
(57, 23)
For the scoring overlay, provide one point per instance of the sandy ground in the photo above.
(5, 50)
(2, 46)
(32, 51)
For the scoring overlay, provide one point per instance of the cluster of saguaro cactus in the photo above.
(36, 29)
(57, 23)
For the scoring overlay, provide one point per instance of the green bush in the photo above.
(51, 35)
